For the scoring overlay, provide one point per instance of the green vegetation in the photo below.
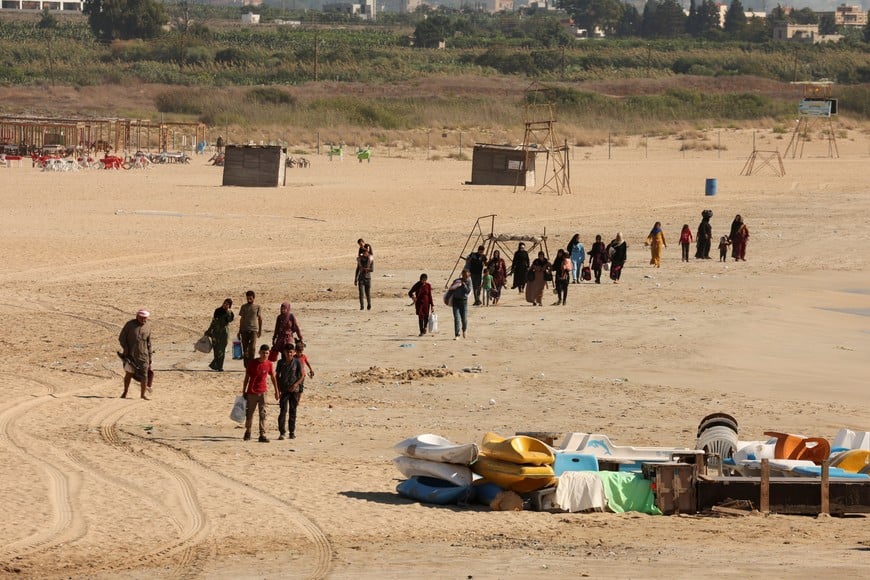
(263, 64)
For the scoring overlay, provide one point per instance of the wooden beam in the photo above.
(764, 500)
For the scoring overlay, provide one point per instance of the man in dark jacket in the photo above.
(475, 263)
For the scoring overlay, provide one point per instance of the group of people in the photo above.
(288, 379)
(736, 239)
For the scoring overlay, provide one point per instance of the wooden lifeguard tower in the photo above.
(540, 137)
(818, 106)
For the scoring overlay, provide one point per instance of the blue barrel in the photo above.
(237, 349)
(710, 186)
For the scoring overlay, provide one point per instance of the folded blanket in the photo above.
(580, 491)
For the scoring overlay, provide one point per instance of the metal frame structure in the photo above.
(491, 240)
(539, 120)
(816, 91)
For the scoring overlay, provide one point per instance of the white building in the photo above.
(40, 5)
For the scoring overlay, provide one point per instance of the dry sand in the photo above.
(96, 486)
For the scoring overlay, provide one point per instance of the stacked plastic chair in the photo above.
(717, 436)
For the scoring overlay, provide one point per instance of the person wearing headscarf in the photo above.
(704, 239)
(537, 279)
(498, 271)
(519, 268)
(285, 327)
(421, 294)
(656, 242)
(618, 254)
(135, 341)
(578, 256)
(562, 267)
(598, 257)
(740, 240)
(218, 331)
(736, 224)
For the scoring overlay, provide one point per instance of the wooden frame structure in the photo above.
(491, 240)
(765, 159)
(540, 136)
(87, 134)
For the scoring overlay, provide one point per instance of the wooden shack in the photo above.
(254, 165)
(503, 165)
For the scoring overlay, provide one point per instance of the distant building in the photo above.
(250, 18)
(850, 16)
(805, 33)
(40, 5)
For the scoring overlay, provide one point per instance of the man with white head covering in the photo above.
(135, 340)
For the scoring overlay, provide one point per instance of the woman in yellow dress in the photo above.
(656, 242)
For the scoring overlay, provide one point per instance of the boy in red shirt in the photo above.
(254, 390)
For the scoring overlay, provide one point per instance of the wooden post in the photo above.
(764, 501)
(825, 507)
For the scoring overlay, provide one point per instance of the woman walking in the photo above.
(739, 242)
(520, 268)
(598, 257)
(562, 268)
(536, 278)
(498, 271)
(656, 242)
(421, 294)
(219, 333)
(618, 253)
(577, 253)
(285, 327)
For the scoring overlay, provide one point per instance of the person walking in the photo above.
(219, 333)
(290, 379)
(705, 236)
(286, 327)
(617, 251)
(598, 257)
(537, 278)
(421, 294)
(475, 263)
(135, 341)
(577, 253)
(686, 239)
(724, 242)
(656, 242)
(363, 277)
(498, 271)
(459, 290)
(740, 241)
(520, 268)
(562, 268)
(250, 326)
(733, 235)
(486, 286)
(254, 390)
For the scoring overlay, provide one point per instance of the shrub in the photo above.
(270, 96)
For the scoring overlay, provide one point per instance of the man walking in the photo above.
(290, 378)
(254, 390)
(474, 263)
(363, 278)
(135, 340)
(250, 327)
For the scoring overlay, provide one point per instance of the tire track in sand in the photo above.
(316, 536)
(66, 523)
(193, 524)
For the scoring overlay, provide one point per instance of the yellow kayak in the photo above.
(522, 450)
(853, 460)
(519, 478)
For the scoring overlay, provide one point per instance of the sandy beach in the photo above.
(98, 486)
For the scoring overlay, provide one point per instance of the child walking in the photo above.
(486, 284)
(686, 241)
(723, 248)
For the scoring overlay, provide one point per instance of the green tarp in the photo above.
(628, 492)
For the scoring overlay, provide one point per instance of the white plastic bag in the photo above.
(239, 408)
(433, 323)
(203, 344)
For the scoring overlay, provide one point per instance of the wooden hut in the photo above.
(254, 165)
(503, 165)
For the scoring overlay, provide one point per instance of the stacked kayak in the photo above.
(436, 468)
(521, 463)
